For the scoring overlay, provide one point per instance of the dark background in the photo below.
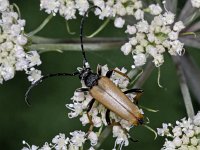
(48, 115)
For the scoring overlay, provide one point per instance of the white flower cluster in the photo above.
(184, 136)
(60, 142)
(154, 38)
(110, 8)
(195, 3)
(12, 46)
(98, 111)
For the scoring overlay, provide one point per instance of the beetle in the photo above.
(102, 89)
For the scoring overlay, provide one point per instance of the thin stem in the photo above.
(17, 8)
(41, 26)
(184, 88)
(106, 132)
(68, 28)
(146, 73)
(100, 28)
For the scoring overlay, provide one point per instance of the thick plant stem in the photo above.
(184, 88)
(74, 47)
(96, 40)
(103, 136)
(95, 44)
(43, 24)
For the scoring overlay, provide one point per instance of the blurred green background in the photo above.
(48, 115)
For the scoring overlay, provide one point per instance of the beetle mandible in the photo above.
(102, 88)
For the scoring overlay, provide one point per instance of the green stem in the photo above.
(106, 132)
(17, 8)
(41, 26)
(184, 88)
(44, 40)
(100, 28)
(68, 28)
(73, 47)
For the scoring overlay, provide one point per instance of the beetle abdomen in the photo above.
(108, 94)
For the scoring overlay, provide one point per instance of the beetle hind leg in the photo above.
(138, 92)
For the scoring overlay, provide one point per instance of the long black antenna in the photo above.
(81, 31)
(43, 78)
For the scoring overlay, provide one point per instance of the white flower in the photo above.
(197, 119)
(82, 6)
(60, 141)
(178, 26)
(142, 26)
(173, 35)
(84, 119)
(183, 136)
(119, 22)
(68, 10)
(34, 75)
(139, 59)
(155, 9)
(195, 3)
(50, 6)
(139, 14)
(130, 29)
(177, 141)
(126, 48)
(163, 131)
(78, 138)
(4, 4)
(168, 18)
(93, 138)
(33, 147)
(12, 46)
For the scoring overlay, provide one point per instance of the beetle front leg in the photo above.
(82, 90)
(138, 92)
(89, 107)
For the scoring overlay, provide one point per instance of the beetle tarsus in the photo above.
(138, 94)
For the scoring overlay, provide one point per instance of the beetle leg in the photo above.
(99, 69)
(108, 116)
(138, 94)
(82, 89)
(109, 73)
(89, 107)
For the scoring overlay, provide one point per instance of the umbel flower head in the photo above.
(153, 37)
(185, 135)
(110, 8)
(96, 118)
(12, 46)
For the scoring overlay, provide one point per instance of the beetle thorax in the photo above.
(90, 79)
